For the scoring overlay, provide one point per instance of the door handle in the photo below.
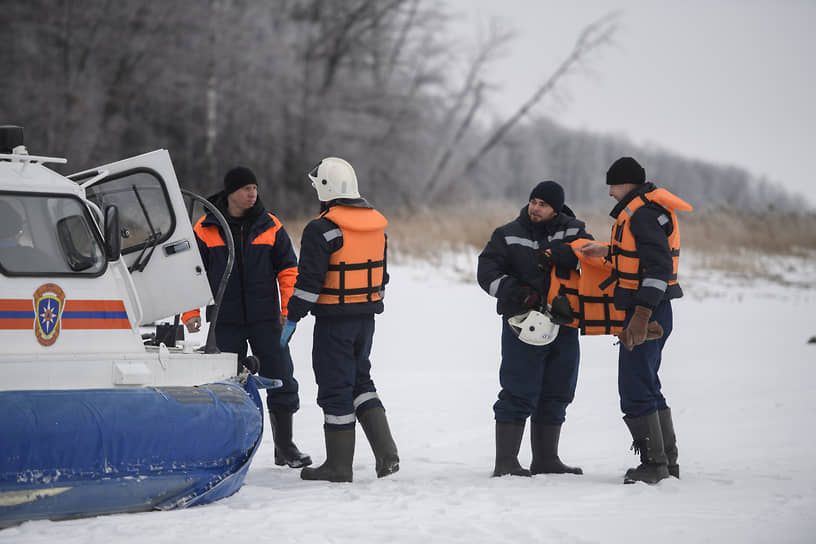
(177, 247)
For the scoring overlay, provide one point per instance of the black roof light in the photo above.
(11, 136)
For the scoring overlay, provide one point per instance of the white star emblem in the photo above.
(48, 316)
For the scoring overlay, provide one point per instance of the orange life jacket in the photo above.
(355, 270)
(593, 307)
(624, 254)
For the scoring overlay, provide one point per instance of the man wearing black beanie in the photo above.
(645, 253)
(537, 381)
(550, 193)
(254, 306)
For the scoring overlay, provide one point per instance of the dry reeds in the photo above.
(721, 238)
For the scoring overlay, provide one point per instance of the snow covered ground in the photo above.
(738, 373)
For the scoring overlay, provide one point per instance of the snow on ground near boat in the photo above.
(738, 373)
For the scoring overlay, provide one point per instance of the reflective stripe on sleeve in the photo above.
(363, 397)
(510, 240)
(494, 286)
(305, 295)
(660, 285)
(332, 234)
(561, 234)
(339, 420)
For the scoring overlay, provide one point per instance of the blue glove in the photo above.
(287, 332)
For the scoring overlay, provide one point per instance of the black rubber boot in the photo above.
(544, 442)
(286, 453)
(339, 457)
(375, 426)
(669, 441)
(508, 442)
(648, 442)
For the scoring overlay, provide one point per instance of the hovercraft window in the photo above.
(145, 217)
(47, 235)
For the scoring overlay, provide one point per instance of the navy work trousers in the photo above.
(276, 362)
(537, 380)
(638, 383)
(340, 358)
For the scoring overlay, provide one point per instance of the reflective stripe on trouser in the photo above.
(340, 359)
(276, 362)
(537, 380)
(638, 382)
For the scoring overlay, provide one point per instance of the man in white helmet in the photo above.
(341, 278)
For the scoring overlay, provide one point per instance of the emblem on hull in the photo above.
(49, 300)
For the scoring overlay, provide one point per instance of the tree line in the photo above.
(276, 86)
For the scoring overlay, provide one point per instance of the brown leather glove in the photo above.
(193, 324)
(635, 333)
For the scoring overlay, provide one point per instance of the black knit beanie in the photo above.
(625, 170)
(237, 178)
(551, 193)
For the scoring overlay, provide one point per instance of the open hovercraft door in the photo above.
(158, 244)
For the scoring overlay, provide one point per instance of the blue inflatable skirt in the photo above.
(66, 454)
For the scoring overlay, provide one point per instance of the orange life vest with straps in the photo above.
(592, 306)
(356, 270)
(625, 259)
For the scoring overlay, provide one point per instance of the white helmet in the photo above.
(534, 328)
(334, 178)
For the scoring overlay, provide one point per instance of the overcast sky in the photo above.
(732, 81)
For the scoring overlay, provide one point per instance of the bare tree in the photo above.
(593, 36)
(277, 86)
(472, 90)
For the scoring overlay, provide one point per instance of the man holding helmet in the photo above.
(539, 367)
(341, 278)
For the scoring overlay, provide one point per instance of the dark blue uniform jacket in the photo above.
(509, 261)
(262, 250)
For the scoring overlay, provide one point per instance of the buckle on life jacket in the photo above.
(613, 277)
(369, 290)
